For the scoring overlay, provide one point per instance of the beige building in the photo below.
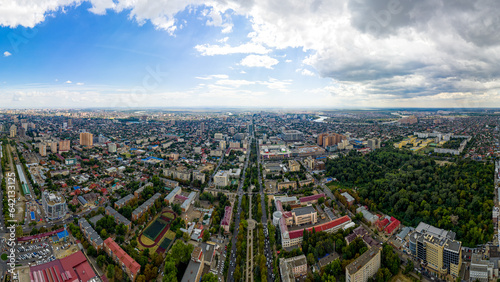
(42, 149)
(292, 268)
(64, 145)
(53, 147)
(180, 173)
(200, 176)
(305, 215)
(293, 165)
(13, 131)
(221, 178)
(287, 185)
(86, 139)
(365, 266)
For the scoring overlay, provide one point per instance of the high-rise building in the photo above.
(54, 205)
(64, 146)
(42, 149)
(365, 266)
(86, 139)
(53, 147)
(70, 123)
(374, 144)
(202, 126)
(222, 145)
(330, 139)
(437, 249)
(25, 126)
(13, 131)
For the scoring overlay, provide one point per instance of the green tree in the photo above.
(111, 271)
(209, 277)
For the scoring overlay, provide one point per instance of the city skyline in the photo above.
(224, 54)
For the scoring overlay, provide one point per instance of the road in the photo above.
(232, 258)
(267, 250)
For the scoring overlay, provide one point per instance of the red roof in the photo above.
(124, 258)
(382, 223)
(391, 227)
(322, 227)
(78, 266)
(312, 198)
(227, 216)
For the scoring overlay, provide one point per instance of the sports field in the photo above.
(153, 235)
(155, 228)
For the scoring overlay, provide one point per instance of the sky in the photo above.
(249, 53)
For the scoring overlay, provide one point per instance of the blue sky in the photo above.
(325, 54)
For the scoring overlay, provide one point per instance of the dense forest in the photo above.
(456, 195)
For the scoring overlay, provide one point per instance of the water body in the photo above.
(320, 119)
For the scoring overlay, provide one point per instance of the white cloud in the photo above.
(305, 72)
(212, 76)
(80, 83)
(6, 54)
(226, 49)
(234, 82)
(68, 82)
(259, 61)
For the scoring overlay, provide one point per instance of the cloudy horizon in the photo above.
(226, 53)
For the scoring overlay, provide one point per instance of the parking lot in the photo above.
(35, 254)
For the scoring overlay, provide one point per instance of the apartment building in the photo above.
(128, 264)
(90, 234)
(365, 266)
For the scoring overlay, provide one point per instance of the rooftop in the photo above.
(363, 259)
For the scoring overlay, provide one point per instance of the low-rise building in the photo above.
(195, 267)
(118, 217)
(292, 268)
(90, 234)
(128, 264)
(145, 206)
(123, 201)
(226, 220)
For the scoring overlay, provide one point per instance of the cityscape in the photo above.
(249, 141)
(251, 195)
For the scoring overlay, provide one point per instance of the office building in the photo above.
(365, 266)
(481, 270)
(86, 139)
(437, 249)
(54, 205)
(293, 268)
